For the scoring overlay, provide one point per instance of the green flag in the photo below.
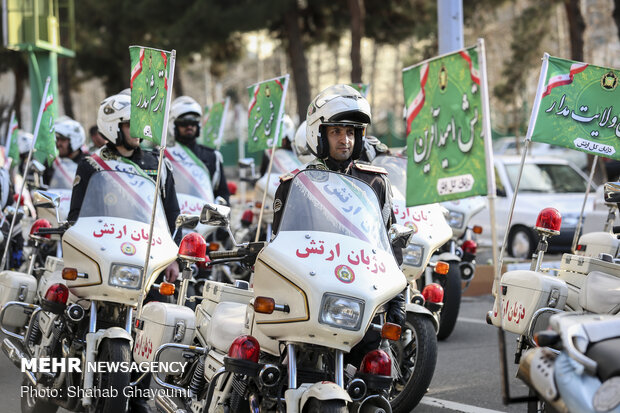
(445, 145)
(265, 112)
(213, 126)
(363, 88)
(45, 146)
(150, 71)
(576, 107)
(11, 148)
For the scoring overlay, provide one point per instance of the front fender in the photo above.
(422, 311)
(324, 391)
(448, 256)
(114, 332)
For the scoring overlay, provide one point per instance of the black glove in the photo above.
(397, 312)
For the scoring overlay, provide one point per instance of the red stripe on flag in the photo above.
(48, 102)
(418, 107)
(253, 102)
(279, 84)
(467, 57)
(137, 69)
(562, 80)
(120, 181)
(163, 56)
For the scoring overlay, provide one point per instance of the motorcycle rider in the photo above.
(336, 124)
(70, 137)
(185, 116)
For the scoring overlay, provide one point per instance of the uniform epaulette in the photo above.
(369, 168)
(286, 177)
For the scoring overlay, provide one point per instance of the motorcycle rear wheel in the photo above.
(33, 404)
(416, 360)
(451, 301)
(112, 350)
(315, 405)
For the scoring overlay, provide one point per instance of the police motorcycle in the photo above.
(316, 288)
(576, 366)
(83, 306)
(584, 282)
(423, 264)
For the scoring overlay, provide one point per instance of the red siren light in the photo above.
(549, 221)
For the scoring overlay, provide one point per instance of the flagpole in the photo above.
(162, 148)
(583, 206)
(26, 168)
(273, 152)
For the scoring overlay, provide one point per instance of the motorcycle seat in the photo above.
(605, 353)
(600, 293)
(227, 323)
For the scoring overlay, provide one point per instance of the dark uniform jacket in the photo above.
(148, 162)
(48, 174)
(214, 165)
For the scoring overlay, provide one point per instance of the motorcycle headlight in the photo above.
(125, 276)
(341, 311)
(413, 254)
(455, 219)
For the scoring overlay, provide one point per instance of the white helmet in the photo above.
(24, 141)
(114, 110)
(338, 104)
(72, 130)
(288, 128)
(187, 108)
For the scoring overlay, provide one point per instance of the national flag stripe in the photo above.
(564, 78)
(137, 69)
(253, 102)
(415, 106)
(475, 74)
(48, 102)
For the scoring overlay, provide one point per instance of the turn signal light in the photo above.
(442, 267)
(40, 223)
(214, 246)
(469, 246)
(377, 362)
(477, 229)
(69, 273)
(232, 187)
(245, 348)
(193, 247)
(166, 289)
(264, 305)
(433, 293)
(57, 293)
(391, 331)
(549, 221)
(258, 204)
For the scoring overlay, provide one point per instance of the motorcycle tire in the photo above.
(315, 405)
(112, 350)
(416, 360)
(451, 284)
(30, 403)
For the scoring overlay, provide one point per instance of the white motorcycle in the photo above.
(317, 289)
(87, 298)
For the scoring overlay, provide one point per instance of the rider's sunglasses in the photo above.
(186, 122)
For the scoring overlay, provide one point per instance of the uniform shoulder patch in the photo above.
(369, 168)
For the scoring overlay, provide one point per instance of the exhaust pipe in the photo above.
(16, 354)
(167, 405)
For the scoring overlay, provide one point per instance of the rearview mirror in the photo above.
(215, 215)
(400, 235)
(44, 199)
(186, 221)
(611, 191)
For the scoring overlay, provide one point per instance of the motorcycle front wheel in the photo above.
(33, 404)
(415, 355)
(451, 300)
(112, 350)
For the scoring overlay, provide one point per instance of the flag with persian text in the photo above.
(265, 112)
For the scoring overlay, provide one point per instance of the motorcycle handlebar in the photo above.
(214, 255)
(45, 231)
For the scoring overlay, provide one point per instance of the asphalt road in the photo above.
(466, 379)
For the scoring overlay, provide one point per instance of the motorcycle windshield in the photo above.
(121, 195)
(397, 171)
(190, 177)
(327, 201)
